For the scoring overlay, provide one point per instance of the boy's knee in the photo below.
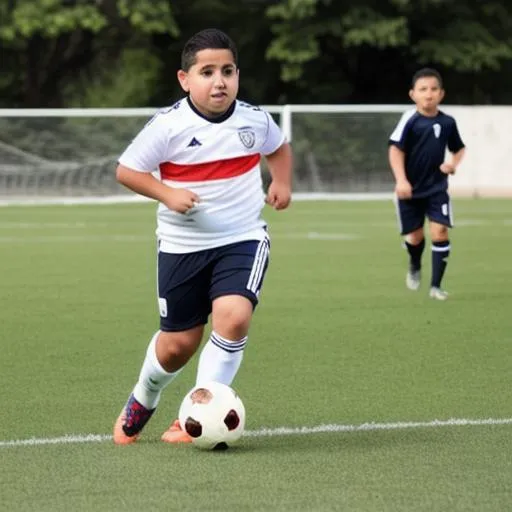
(231, 316)
(177, 348)
(438, 232)
(415, 237)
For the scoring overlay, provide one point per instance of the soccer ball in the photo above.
(213, 415)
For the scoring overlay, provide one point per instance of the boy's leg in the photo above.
(440, 217)
(222, 354)
(164, 359)
(183, 283)
(411, 216)
(415, 244)
(237, 280)
(144, 398)
(174, 351)
(440, 253)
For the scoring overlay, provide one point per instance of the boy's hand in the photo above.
(279, 195)
(180, 200)
(403, 189)
(447, 168)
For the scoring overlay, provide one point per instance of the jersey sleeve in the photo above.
(274, 137)
(399, 134)
(147, 149)
(455, 143)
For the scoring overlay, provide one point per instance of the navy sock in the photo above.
(415, 252)
(440, 253)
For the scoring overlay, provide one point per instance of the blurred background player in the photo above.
(213, 245)
(417, 150)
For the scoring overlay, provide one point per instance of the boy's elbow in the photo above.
(120, 173)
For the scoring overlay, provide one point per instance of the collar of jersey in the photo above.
(216, 119)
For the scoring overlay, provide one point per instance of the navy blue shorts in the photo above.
(412, 212)
(188, 283)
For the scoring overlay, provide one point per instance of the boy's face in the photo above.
(212, 82)
(427, 94)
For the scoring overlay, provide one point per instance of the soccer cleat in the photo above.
(131, 421)
(175, 434)
(437, 293)
(413, 279)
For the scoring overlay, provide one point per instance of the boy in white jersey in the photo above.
(213, 243)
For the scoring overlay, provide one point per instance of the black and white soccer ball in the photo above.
(213, 415)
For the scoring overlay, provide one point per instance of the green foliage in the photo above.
(362, 25)
(295, 42)
(129, 82)
(293, 9)
(466, 55)
(466, 36)
(61, 53)
(149, 16)
(295, 51)
(65, 42)
(301, 25)
(467, 46)
(48, 18)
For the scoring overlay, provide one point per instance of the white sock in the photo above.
(220, 360)
(152, 379)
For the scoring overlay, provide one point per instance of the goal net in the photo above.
(343, 149)
(71, 154)
(63, 153)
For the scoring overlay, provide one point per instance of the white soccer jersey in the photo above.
(219, 161)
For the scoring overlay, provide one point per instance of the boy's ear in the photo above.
(411, 94)
(442, 95)
(183, 80)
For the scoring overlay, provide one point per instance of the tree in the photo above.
(359, 44)
(45, 42)
(126, 52)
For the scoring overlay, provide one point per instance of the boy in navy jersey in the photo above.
(417, 149)
(213, 245)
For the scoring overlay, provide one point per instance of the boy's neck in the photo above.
(216, 118)
(428, 113)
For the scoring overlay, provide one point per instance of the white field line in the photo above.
(39, 201)
(74, 239)
(366, 222)
(12, 200)
(313, 235)
(280, 431)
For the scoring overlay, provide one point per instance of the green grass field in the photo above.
(392, 401)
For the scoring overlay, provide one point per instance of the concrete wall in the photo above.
(486, 170)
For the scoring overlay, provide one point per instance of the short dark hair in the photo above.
(210, 38)
(427, 72)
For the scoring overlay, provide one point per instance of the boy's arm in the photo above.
(280, 166)
(145, 184)
(396, 156)
(451, 166)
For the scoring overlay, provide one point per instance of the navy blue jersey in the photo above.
(424, 141)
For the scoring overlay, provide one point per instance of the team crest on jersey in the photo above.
(247, 136)
(437, 130)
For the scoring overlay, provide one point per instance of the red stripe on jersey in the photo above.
(207, 171)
